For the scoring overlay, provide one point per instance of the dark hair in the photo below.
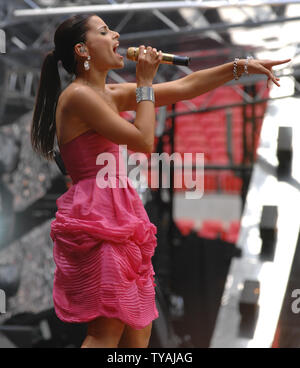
(43, 128)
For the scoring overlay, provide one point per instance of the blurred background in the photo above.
(226, 264)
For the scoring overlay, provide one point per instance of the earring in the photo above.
(87, 64)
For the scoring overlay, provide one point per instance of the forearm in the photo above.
(145, 121)
(206, 80)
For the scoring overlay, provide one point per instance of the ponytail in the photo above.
(67, 35)
(43, 126)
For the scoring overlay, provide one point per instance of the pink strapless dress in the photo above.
(103, 241)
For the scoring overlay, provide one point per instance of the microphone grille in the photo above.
(132, 53)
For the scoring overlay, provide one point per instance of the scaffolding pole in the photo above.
(144, 6)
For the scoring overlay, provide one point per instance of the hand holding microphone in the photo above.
(147, 64)
(133, 52)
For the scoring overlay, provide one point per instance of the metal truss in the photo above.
(146, 6)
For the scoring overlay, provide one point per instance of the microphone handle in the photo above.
(132, 54)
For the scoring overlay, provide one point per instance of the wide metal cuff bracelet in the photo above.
(145, 94)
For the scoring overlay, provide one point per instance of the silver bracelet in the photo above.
(145, 94)
(236, 77)
(246, 64)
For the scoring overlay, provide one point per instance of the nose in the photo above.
(116, 34)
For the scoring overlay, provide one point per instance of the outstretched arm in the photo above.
(194, 84)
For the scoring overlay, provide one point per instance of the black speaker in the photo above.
(284, 151)
(268, 232)
(249, 298)
(248, 307)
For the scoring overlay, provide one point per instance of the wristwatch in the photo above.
(145, 94)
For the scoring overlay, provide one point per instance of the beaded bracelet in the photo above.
(246, 64)
(236, 77)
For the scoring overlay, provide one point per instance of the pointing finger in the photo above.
(278, 62)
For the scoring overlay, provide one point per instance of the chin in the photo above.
(119, 66)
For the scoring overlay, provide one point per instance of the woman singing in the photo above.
(103, 239)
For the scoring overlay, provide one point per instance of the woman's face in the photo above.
(102, 43)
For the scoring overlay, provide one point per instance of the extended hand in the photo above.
(256, 66)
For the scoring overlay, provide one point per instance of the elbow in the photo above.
(148, 148)
(141, 147)
(151, 148)
(148, 145)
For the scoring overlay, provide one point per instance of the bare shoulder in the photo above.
(75, 92)
(68, 123)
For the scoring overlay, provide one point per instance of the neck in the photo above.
(92, 78)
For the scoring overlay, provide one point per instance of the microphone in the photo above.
(133, 52)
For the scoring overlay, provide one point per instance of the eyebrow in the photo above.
(103, 27)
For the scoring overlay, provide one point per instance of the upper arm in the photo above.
(91, 108)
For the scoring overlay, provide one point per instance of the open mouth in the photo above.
(115, 51)
(115, 48)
